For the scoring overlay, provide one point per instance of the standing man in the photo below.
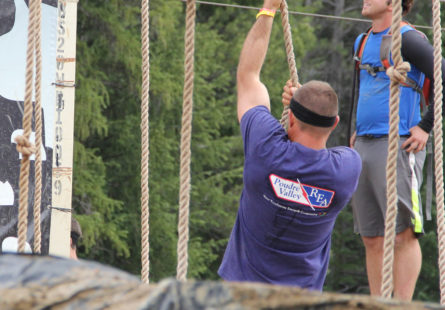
(371, 142)
(294, 187)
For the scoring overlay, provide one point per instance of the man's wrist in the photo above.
(266, 12)
(425, 126)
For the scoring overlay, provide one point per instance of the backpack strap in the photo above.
(361, 47)
(385, 56)
(355, 79)
(429, 179)
(372, 70)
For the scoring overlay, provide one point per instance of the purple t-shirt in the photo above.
(291, 197)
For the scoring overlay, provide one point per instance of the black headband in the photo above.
(307, 116)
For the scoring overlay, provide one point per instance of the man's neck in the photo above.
(309, 141)
(381, 23)
(73, 253)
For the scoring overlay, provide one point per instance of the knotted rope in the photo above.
(145, 131)
(23, 144)
(290, 56)
(38, 140)
(24, 147)
(396, 73)
(438, 144)
(186, 132)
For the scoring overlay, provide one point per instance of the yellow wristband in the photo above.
(266, 12)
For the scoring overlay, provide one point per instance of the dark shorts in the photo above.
(369, 201)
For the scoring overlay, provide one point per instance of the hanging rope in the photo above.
(290, 56)
(145, 130)
(186, 133)
(38, 119)
(397, 74)
(23, 145)
(438, 144)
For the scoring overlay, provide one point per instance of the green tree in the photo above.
(107, 147)
(108, 139)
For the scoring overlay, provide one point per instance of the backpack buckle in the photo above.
(372, 70)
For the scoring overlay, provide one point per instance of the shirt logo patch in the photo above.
(308, 195)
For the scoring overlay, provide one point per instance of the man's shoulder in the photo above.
(259, 109)
(360, 36)
(349, 166)
(358, 39)
(410, 33)
(346, 150)
(259, 127)
(407, 27)
(257, 116)
(346, 154)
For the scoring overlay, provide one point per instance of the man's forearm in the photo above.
(250, 91)
(254, 49)
(418, 51)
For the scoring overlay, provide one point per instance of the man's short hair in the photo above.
(319, 97)
(407, 5)
(76, 232)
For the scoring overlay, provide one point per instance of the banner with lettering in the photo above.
(13, 45)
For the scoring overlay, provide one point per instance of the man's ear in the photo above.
(389, 3)
(337, 120)
(291, 118)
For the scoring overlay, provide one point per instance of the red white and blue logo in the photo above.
(312, 196)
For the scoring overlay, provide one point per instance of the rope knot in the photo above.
(24, 146)
(398, 74)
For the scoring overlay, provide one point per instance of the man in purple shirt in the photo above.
(294, 187)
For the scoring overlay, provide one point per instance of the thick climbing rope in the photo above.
(186, 133)
(23, 145)
(145, 247)
(38, 139)
(397, 74)
(184, 196)
(290, 56)
(438, 145)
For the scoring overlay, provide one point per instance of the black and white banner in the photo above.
(13, 44)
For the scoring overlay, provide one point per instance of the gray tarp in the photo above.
(41, 282)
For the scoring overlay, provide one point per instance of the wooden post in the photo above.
(64, 129)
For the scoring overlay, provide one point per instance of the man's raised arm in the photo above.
(251, 92)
